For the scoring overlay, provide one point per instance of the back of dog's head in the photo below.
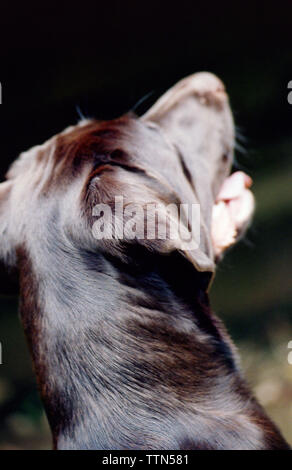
(179, 152)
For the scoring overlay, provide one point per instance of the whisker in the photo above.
(79, 112)
(240, 148)
(142, 100)
(239, 132)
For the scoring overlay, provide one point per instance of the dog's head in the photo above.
(179, 152)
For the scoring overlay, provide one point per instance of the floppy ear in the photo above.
(133, 207)
(195, 118)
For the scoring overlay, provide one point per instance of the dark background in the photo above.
(102, 58)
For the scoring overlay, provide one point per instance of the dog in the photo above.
(126, 349)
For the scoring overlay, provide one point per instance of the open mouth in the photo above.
(232, 211)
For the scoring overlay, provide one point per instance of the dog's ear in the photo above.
(195, 117)
(133, 207)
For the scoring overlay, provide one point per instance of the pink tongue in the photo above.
(232, 211)
(233, 186)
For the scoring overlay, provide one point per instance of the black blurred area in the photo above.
(58, 60)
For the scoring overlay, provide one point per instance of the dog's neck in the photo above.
(94, 323)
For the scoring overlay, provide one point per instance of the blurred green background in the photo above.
(56, 59)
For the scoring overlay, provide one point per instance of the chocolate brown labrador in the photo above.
(126, 349)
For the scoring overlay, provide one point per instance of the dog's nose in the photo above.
(207, 87)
